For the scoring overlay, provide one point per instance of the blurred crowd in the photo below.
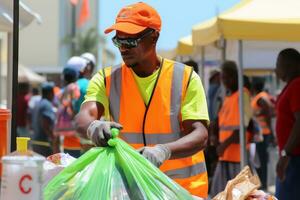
(46, 113)
(264, 136)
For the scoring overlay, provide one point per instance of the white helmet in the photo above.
(77, 63)
(89, 57)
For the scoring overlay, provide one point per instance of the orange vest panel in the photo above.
(229, 120)
(261, 119)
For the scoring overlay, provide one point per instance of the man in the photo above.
(44, 142)
(288, 125)
(263, 111)
(159, 104)
(228, 122)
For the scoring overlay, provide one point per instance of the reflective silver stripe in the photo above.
(115, 92)
(229, 128)
(176, 93)
(153, 138)
(187, 172)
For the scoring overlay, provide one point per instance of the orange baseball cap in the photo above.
(135, 18)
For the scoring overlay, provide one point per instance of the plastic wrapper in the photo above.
(243, 187)
(55, 164)
(116, 172)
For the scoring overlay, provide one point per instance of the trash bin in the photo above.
(4, 117)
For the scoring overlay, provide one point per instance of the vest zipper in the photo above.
(147, 106)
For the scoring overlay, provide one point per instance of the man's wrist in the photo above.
(284, 153)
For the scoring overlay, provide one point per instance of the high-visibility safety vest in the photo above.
(158, 122)
(229, 121)
(261, 119)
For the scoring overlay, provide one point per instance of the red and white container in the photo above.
(22, 174)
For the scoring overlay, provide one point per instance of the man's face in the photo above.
(133, 55)
(226, 80)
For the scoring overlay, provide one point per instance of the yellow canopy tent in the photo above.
(185, 46)
(252, 20)
(271, 20)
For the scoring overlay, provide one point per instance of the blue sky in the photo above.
(178, 17)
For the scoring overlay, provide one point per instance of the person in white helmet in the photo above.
(85, 74)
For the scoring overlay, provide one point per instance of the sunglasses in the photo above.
(130, 42)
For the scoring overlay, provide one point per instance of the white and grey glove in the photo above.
(157, 154)
(100, 131)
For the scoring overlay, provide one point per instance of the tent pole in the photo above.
(15, 74)
(224, 50)
(9, 85)
(241, 107)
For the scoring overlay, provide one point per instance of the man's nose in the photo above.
(123, 48)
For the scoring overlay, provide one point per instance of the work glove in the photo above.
(100, 131)
(157, 154)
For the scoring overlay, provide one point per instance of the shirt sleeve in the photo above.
(194, 106)
(96, 92)
(96, 89)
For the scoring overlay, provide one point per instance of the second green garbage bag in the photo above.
(116, 172)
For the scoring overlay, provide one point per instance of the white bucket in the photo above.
(22, 178)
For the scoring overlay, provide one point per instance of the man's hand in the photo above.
(100, 131)
(157, 154)
(281, 167)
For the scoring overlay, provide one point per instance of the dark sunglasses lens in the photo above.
(127, 43)
(116, 42)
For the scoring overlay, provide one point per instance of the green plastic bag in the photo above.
(117, 172)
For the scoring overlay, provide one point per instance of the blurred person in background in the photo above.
(215, 97)
(263, 110)
(85, 73)
(288, 125)
(148, 94)
(193, 64)
(228, 125)
(69, 94)
(214, 94)
(44, 141)
(22, 116)
(34, 98)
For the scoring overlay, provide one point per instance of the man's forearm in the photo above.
(82, 122)
(89, 112)
(190, 143)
